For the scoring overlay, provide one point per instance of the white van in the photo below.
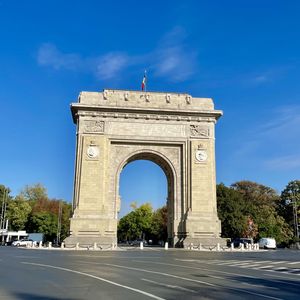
(267, 243)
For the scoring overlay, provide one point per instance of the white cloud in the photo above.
(274, 144)
(109, 65)
(103, 67)
(171, 60)
(284, 123)
(49, 55)
(284, 162)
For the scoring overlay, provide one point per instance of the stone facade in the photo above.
(176, 131)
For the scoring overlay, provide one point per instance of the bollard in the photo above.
(242, 247)
(62, 246)
(232, 246)
(50, 245)
(141, 245)
(40, 244)
(200, 246)
(218, 247)
(166, 246)
(77, 246)
(191, 246)
(95, 246)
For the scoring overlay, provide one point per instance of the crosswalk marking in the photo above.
(279, 262)
(263, 265)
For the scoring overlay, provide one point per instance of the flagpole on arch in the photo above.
(144, 82)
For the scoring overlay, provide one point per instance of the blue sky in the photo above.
(243, 54)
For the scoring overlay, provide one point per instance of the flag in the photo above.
(144, 82)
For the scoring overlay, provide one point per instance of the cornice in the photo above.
(143, 113)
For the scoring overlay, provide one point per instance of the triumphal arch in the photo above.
(175, 131)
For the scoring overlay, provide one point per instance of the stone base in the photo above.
(90, 241)
(204, 241)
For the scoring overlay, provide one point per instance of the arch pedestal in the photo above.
(175, 131)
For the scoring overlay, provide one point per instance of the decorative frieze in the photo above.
(93, 126)
(152, 116)
(199, 131)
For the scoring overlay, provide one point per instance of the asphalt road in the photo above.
(148, 274)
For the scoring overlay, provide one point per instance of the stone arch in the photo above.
(174, 130)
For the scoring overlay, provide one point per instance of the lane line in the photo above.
(176, 287)
(264, 267)
(281, 277)
(258, 268)
(96, 277)
(193, 280)
(279, 262)
(259, 285)
(250, 266)
(160, 273)
(216, 271)
(294, 263)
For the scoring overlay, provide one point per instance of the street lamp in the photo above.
(293, 201)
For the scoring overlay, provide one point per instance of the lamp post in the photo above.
(295, 214)
(293, 201)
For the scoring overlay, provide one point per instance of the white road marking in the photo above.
(279, 262)
(294, 263)
(279, 268)
(227, 263)
(259, 285)
(251, 266)
(282, 277)
(160, 273)
(96, 277)
(177, 287)
(193, 280)
(216, 271)
(264, 267)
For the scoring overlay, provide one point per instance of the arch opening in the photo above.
(148, 178)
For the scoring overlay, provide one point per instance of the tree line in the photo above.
(245, 208)
(32, 210)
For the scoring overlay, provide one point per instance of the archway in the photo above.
(152, 160)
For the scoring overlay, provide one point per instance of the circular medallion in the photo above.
(92, 151)
(201, 155)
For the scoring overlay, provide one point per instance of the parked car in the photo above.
(267, 243)
(245, 241)
(22, 242)
(138, 242)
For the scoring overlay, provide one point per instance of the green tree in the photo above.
(290, 203)
(232, 211)
(18, 211)
(136, 224)
(261, 204)
(159, 230)
(44, 222)
(34, 192)
(5, 199)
